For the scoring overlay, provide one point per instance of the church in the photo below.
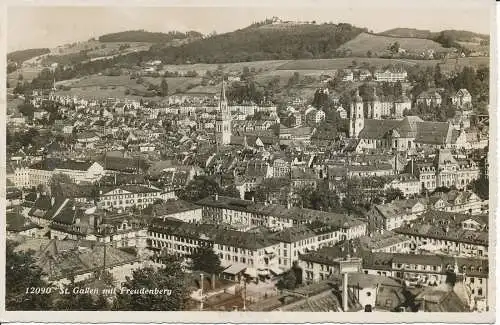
(404, 134)
(223, 120)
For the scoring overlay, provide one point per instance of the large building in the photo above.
(391, 75)
(245, 214)
(42, 171)
(405, 134)
(445, 170)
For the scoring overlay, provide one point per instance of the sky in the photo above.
(50, 26)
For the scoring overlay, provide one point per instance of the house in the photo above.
(392, 215)
(407, 183)
(391, 75)
(462, 99)
(79, 171)
(347, 75)
(127, 196)
(175, 209)
(253, 253)
(429, 98)
(449, 233)
(342, 112)
(81, 263)
(231, 211)
(384, 242)
(459, 202)
(281, 167)
(314, 116)
(445, 171)
(303, 178)
(18, 224)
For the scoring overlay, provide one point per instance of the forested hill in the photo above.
(451, 34)
(264, 42)
(148, 37)
(408, 32)
(24, 55)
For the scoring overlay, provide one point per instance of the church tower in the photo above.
(223, 120)
(357, 117)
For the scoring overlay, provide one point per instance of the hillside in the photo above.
(379, 45)
(300, 41)
(408, 32)
(457, 35)
(148, 37)
(24, 55)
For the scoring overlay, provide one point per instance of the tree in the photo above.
(230, 191)
(204, 259)
(170, 277)
(27, 109)
(71, 301)
(392, 194)
(22, 273)
(394, 48)
(369, 53)
(198, 188)
(288, 281)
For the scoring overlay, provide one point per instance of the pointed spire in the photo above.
(223, 91)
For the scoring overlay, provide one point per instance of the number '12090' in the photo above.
(38, 290)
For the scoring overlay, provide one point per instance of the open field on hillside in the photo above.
(342, 63)
(28, 75)
(98, 92)
(116, 85)
(379, 44)
(201, 68)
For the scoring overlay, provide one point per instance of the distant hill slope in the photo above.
(148, 37)
(379, 44)
(255, 43)
(24, 55)
(408, 32)
(457, 35)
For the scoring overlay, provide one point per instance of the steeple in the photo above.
(223, 121)
(357, 118)
(223, 92)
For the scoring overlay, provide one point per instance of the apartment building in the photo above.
(128, 196)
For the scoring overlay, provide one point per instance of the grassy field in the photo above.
(115, 86)
(28, 75)
(378, 44)
(201, 68)
(342, 63)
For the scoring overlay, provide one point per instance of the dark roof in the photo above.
(133, 189)
(16, 222)
(433, 132)
(440, 301)
(377, 129)
(170, 207)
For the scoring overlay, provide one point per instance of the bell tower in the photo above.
(357, 116)
(223, 120)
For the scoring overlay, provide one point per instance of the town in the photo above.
(368, 194)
